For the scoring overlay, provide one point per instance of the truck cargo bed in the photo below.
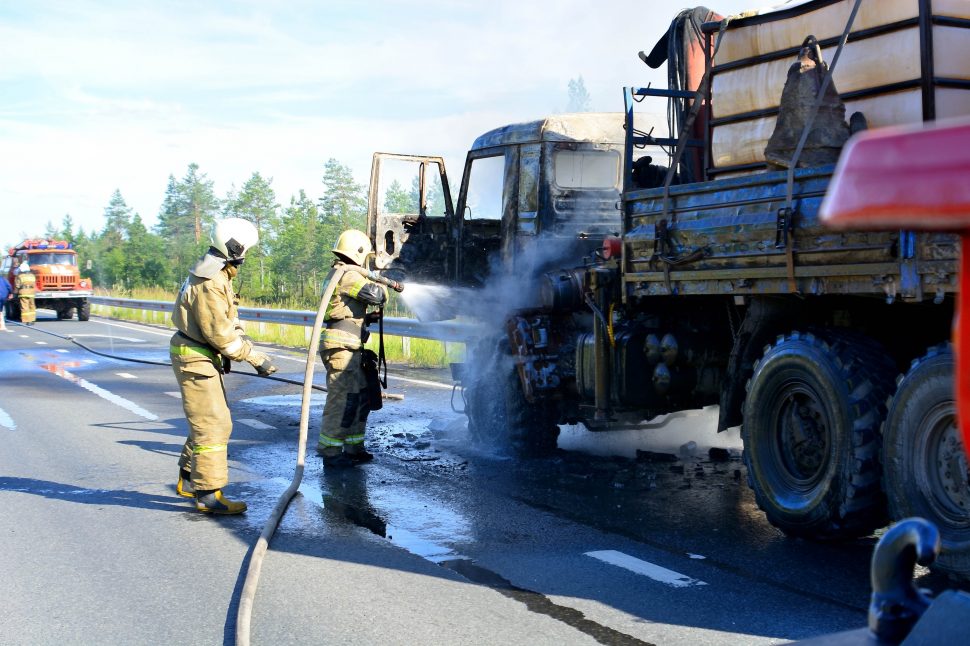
(726, 237)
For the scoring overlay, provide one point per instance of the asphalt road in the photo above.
(438, 541)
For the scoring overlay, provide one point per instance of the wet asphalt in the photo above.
(620, 538)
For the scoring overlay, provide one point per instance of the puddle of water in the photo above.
(286, 400)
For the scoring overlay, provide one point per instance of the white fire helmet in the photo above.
(24, 267)
(353, 246)
(233, 237)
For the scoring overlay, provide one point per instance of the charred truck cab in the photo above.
(533, 195)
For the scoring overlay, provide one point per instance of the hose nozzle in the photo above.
(393, 284)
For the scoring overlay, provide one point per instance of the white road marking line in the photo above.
(7, 421)
(63, 351)
(175, 394)
(104, 394)
(92, 361)
(41, 342)
(146, 330)
(696, 556)
(638, 566)
(24, 336)
(126, 375)
(112, 337)
(256, 424)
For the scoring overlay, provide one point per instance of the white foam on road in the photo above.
(645, 568)
(256, 424)
(6, 421)
(126, 375)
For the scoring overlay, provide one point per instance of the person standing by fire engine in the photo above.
(209, 336)
(26, 285)
(345, 411)
(6, 293)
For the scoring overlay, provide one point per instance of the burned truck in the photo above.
(828, 348)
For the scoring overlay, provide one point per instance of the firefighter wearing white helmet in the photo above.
(26, 285)
(345, 412)
(209, 336)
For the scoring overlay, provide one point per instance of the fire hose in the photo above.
(248, 594)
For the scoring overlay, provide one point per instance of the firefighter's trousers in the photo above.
(28, 309)
(346, 409)
(210, 424)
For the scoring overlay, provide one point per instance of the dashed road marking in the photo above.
(41, 342)
(174, 393)
(100, 392)
(256, 424)
(639, 566)
(24, 336)
(92, 361)
(126, 375)
(63, 351)
(6, 421)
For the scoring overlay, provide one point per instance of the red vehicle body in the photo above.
(59, 283)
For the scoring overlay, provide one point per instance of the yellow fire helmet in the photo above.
(353, 246)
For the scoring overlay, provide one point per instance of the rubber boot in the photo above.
(359, 456)
(213, 502)
(184, 486)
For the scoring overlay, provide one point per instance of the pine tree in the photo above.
(344, 202)
(579, 100)
(256, 202)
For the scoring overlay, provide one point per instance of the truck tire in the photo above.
(83, 310)
(811, 434)
(924, 462)
(499, 416)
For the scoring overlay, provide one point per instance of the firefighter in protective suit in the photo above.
(209, 336)
(26, 285)
(341, 441)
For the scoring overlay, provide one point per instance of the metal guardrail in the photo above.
(456, 331)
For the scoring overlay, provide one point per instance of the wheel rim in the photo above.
(802, 437)
(945, 477)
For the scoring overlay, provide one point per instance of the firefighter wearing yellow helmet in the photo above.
(209, 336)
(345, 412)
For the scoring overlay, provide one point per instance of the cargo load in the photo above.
(906, 61)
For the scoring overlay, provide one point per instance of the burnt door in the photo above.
(410, 217)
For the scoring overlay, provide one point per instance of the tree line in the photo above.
(289, 264)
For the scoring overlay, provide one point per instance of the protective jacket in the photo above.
(344, 316)
(25, 284)
(206, 314)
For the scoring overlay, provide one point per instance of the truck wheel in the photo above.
(925, 465)
(64, 312)
(84, 311)
(499, 416)
(811, 434)
(485, 396)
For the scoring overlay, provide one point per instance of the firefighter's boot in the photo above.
(358, 456)
(184, 486)
(213, 502)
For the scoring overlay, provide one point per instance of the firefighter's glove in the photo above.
(372, 317)
(261, 362)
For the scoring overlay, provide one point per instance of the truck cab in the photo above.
(532, 195)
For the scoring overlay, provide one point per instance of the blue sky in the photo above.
(105, 95)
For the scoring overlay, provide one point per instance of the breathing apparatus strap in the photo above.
(381, 357)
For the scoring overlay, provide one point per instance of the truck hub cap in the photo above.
(803, 437)
(945, 482)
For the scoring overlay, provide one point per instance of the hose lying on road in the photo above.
(245, 610)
